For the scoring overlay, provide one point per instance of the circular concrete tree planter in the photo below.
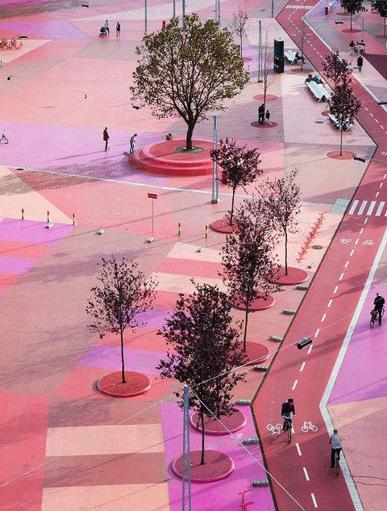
(136, 384)
(217, 466)
(212, 426)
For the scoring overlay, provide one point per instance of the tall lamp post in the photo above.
(146, 16)
(215, 181)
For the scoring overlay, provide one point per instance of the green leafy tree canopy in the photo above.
(188, 71)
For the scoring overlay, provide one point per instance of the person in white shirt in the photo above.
(107, 27)
(335, 442)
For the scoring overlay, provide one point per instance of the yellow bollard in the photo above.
(22, 213)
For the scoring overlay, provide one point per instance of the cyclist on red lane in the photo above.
(378, 307)
(336, 447)
(287, 412)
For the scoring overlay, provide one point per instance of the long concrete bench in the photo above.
(346, 127)
(290, 56)
(318, 90)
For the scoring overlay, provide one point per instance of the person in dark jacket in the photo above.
(261, 114)
(106, 137)
(359, 62)
(287, 412)
(378, 307)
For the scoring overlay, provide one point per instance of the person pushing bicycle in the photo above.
(335, 442)
(378, 307)
(287, 412)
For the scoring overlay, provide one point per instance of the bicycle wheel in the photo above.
(289, 433)
(337, 464)
(372, 322)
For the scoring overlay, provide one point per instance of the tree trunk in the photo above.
(188, 140)
(384, 26)
(122, 357)
(241, 36)
(202, 460)
(286, 252)
(351, 21)
(245, 332)
(232, 206)
(341, 141)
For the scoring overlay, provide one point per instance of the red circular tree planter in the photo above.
(353, 31)
(167, 159)
(233, 423)
(269, 97)
(136, 383)
(217, 466)
(294, 276)
(261, 303)
(222, 226)
(256, 353)
(337, 156)
(267, 124)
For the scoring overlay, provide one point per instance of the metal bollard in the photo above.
(73, 218)
(179, 229)
(206, 232)
(48, 217)
(22, 213)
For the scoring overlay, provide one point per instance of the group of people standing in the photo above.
(106, 28)
(106, 137)
(359, 50)
(262, 114)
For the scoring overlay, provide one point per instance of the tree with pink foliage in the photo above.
(282, 198)
(240, 166)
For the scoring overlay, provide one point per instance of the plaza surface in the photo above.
(67, 446)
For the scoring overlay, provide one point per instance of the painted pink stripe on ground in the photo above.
(363, 372)
(189, 267)
(109, 357)
(204, 496)
(32, 231)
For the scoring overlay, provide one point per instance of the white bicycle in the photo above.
(274, 429)
(308, 426)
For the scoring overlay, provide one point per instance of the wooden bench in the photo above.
(290, 56)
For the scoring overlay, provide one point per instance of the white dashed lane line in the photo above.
(302, 367)
(335, 290)
(341, 276)
(306, 473)
(298, 449)
(294, 384)
(314, 500)
(351, 253)
(310, 348)
(317, 332)
(346, 264)
(329, 303)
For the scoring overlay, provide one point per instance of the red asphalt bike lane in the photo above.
(325, 315)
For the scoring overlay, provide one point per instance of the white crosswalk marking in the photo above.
(362, 207)
(353, 207)
(380, 208)
(367, 208)
(371, 208)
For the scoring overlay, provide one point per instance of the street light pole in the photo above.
(146, 16)
(259, 77)
(272, 8)
(174, 8)
(215, 182)
(183, 8)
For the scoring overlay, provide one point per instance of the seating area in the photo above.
(290, 56)
(10, 44)
(317, 88)
(346, 125)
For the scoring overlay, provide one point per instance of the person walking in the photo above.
(106, 137)
(261, 114)
(359, 62)
(118, 29)
(132, 143)
(335, 442)
(107, 27)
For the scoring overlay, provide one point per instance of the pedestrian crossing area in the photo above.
(367, 208)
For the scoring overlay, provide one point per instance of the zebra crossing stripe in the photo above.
(371, 208)
(353, 207)
(380, 209)
(362, 207)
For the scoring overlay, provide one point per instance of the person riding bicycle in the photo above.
(378, 307)
(287, 412)
(335, 442)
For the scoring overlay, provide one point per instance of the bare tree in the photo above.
(188, 71)
(238, 25)
(247, 256)
(283, 200)
(344, 106)
(205, 348)
(268, 75)
(240, 166)
(123, 292)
